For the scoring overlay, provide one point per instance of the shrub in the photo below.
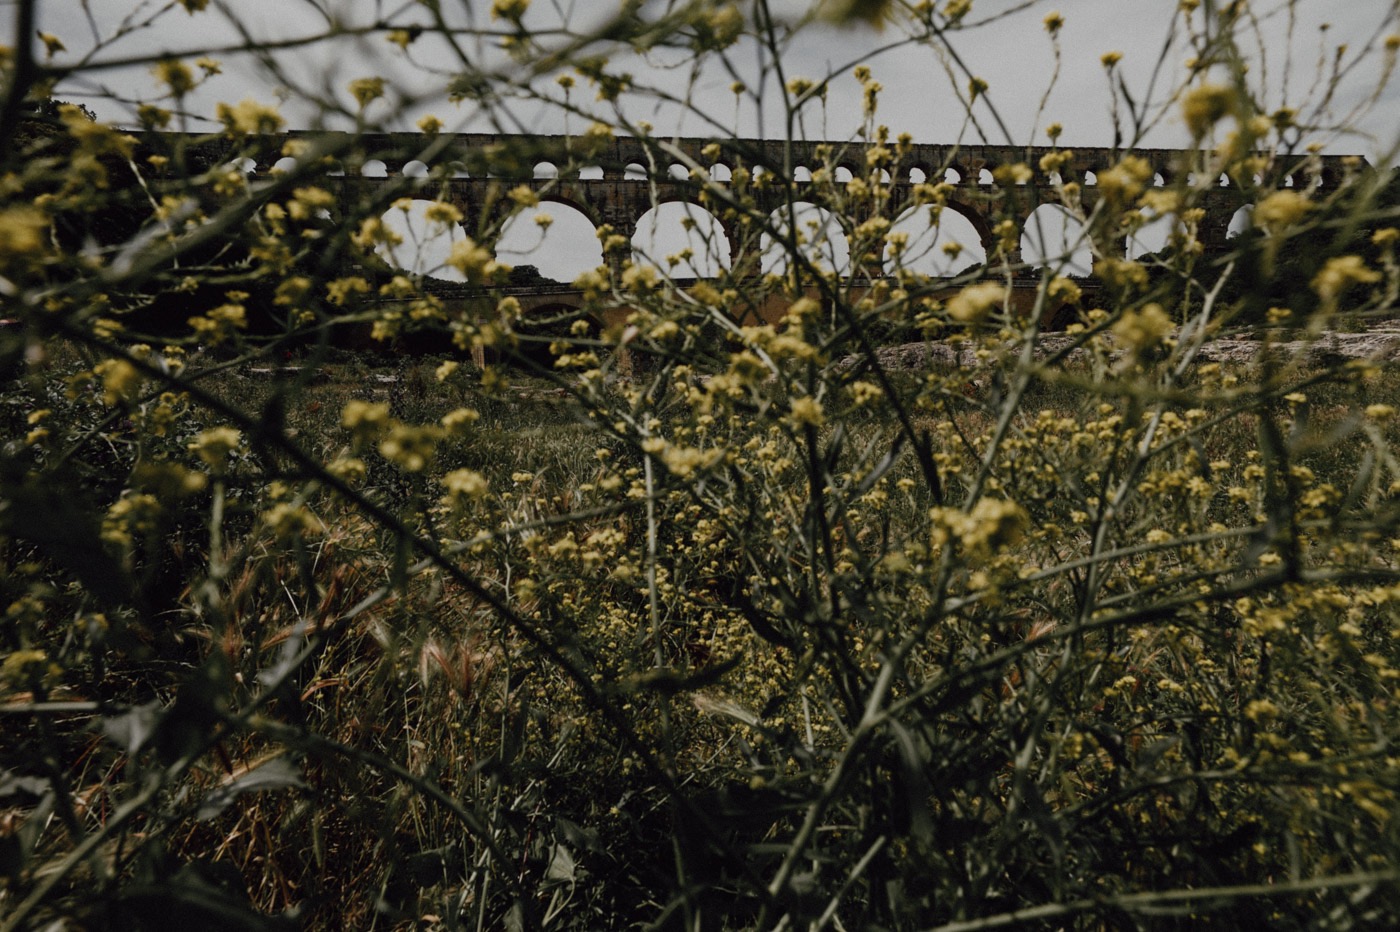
(695, 621)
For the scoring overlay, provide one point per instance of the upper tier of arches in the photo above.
(616, 158)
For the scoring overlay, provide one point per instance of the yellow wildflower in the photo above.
(975, 301)
(1281, 209)
(1341, 273)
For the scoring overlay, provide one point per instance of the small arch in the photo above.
(802, 173)
(374, 168)
(285, 165)
(336, 170)
(917, 175)
(415, 169)
(1224, 180)
(1158, 181)
(590, 173)
(244, 165)
(1241, 222)
(545, 171)
(635, 171)
(678, 172)
(1288, 181)
(985, 177)
(884, 176)
(1054, 179)
(952, 176)
(721, 172)
(1090, 179)
(842, 174)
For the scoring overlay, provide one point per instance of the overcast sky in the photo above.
(1005, 43)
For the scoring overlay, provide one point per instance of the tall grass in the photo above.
(695, 624)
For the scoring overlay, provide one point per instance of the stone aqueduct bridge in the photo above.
(624, 177)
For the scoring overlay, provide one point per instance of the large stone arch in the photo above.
(1152, 237)
(424, 239)
(1051, 237)
(561, 251)
(977, 217)
(826, 234)
(659, 235)
(928, 251)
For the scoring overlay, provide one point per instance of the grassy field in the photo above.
(511, 654)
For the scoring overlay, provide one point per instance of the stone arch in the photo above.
(1054, 238)
(1090, 178)
(562, 250)
(940, 245)
(984, 177)
(416, 168)
(590, 173)
(677, 172)
(541, 324)
(424, 244)
(244, 165)
(842, 174)
(374, 168)
(952, 175)
(634, 171)
(1151, 237)
(686, 232)
(544, 171)
(802, 174)
(917, 175)
(1241, 222)
(286, 165)
(721, 172)
(822, 239)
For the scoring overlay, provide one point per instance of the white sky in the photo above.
(1005, 43)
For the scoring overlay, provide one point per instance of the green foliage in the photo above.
(655, 614)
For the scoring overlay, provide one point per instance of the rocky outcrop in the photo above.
(1379, 344)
